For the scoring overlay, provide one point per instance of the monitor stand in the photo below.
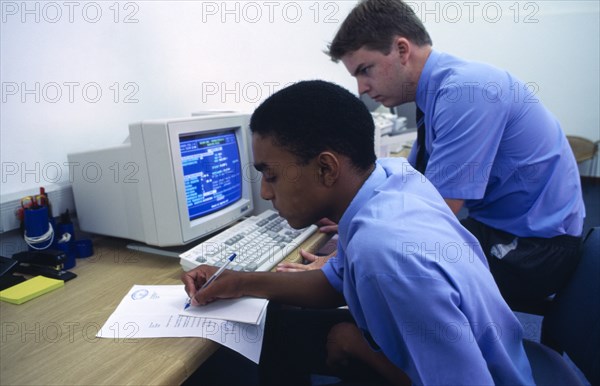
(173, 251)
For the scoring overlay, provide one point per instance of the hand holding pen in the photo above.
(212, 278)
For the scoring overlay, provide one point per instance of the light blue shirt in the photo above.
(491, 142)
(417, 283)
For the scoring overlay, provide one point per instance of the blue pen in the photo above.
(212, 278)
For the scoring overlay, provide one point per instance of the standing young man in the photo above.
(424, 307)
(484, 142)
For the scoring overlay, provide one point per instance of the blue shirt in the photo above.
(492, 143)
(418, 285)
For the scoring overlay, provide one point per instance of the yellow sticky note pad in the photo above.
(30, 289)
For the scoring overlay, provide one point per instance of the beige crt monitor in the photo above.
(171, 182)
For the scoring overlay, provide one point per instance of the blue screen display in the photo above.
(212, 171)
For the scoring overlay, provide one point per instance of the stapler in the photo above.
(47, 262)
(7, 277)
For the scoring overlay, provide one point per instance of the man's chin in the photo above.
(296, 224)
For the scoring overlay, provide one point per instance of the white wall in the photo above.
(152, 59)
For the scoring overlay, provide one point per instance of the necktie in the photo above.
(421, 165)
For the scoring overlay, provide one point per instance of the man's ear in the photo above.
(402, 46)
(328, 168)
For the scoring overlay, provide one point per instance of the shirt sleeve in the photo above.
(333, 271)
(431, 337)
(465, 139)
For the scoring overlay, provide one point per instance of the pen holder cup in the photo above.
(39, 233)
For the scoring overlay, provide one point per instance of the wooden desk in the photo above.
(52, 339)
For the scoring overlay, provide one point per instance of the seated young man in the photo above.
(423, 306)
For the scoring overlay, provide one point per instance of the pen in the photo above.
(212, 278)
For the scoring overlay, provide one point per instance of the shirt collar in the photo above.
(423, 85)
(377, 177)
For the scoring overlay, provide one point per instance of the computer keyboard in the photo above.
(260, 243)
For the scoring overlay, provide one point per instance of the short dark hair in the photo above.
(373, 24)
(310, 117)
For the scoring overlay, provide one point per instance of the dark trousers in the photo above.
(535, 269)
(293, 353)
(294, 347)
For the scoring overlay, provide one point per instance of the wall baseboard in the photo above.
(60, 197)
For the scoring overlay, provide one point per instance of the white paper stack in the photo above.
(158, 312)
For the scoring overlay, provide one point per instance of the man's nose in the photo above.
(363, 86)
(266, 192)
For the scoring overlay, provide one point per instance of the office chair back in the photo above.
(573, 323)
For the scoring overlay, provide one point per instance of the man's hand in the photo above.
(343, 341)
(346, 342)
(314, 262)
(327, 226)
(224, 287)
(454, 204)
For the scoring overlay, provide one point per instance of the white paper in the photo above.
(243, 310)
(156, 312)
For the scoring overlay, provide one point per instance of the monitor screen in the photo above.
(212, 171)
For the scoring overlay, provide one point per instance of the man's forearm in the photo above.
(303, 289)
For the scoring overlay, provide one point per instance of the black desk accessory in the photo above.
(48, 262)
(7, 278)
